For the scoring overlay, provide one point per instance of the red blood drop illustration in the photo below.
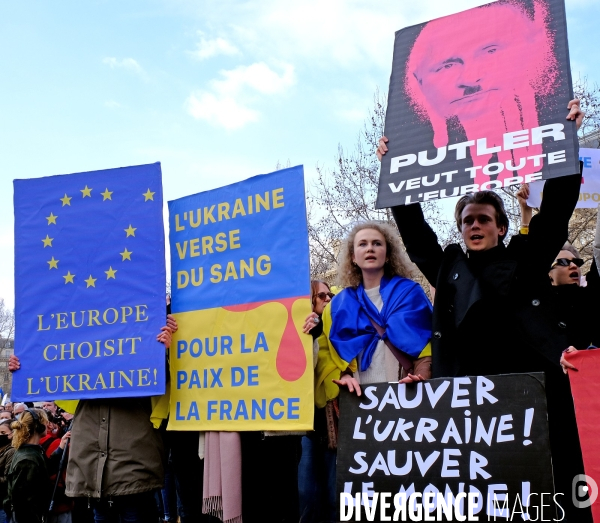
(291, 359)
(245, 306)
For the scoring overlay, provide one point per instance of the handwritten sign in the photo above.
(481, 443)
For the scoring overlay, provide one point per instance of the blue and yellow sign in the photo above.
(240, 280)
(89, 285)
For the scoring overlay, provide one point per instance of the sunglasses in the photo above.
(565, 262)
(323, 295)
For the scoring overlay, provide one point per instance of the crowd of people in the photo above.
(32, 445)
(497, 308)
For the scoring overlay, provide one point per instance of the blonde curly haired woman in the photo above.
(380, 324)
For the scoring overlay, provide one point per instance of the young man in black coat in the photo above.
(487, 316)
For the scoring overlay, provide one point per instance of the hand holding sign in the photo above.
(240, 267)
(473, 106)
(347, 380)
(89, 282)
(564, 359)
(575, 112)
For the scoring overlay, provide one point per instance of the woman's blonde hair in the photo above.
(26, 426)
(397, 263)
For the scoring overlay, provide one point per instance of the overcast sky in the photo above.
(215, 90)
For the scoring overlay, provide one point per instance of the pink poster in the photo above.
(478, 101)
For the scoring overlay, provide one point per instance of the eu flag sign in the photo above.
(89, 285)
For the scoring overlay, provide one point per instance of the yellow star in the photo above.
(130, 231)
(148, 195)
(66, 200)
(107, 194)
(53, 263)
(110, 273)
(51, 219)
(91, 282)
(126, 255)
(69, 277)
(47, 241)
(86, 192)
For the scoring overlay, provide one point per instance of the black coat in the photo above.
(495, 294)
(28, 481)
(495, 312)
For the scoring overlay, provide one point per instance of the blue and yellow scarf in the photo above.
(405, 316)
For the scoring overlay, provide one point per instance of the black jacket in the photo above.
(495, 313)
(28, 485)
(6, 456)
(487, 316)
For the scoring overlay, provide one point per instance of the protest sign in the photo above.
(480, 442)
(89, 285)
(240, 282)
(585, 387)
(478, 101)
(589, 196)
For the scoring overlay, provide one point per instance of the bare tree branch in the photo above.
(345, 195)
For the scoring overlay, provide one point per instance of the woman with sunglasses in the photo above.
(576, 305)
(593, 288)
(570, 307)
(316, 470)
(320, 296)
(566, 268)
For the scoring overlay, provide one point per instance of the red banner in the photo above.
(585, 387)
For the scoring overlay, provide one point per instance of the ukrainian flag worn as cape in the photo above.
(405, 316)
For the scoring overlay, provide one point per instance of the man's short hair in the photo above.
(482, 197)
